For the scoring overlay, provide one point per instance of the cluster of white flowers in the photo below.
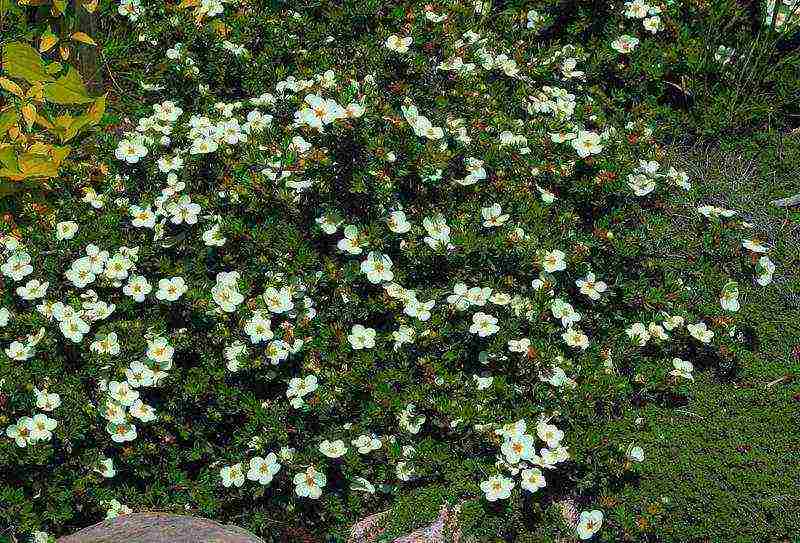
(518, 457)
(262, 318)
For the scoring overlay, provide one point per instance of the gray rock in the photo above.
(160, 528)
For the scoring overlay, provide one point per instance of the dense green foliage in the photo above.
(403, 245)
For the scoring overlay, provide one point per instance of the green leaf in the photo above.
(8, 158)
(7, 120)
(53, 68)
(67, 89)
(20, 60)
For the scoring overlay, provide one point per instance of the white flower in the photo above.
(438, 232)
(328, 223)
(519, 345)
(553, 261)
(226, 297)
(377, 267)
(183, 211)
(301, 387)
(636, 454)
(41, 427)
(263, 469)
(366, 443)
(233, 353)
(493, 216)
(137, 288)
(459, 297)
(66, 230)
(483, 324)
(41, 537)
(73, 328)
(139, 375)
(591, 287)
(398, 223)
(404, 471)
(641, 184)
(278, 301)
(589, 523)
(232, 475)
(122, 393)
(546, 196)
(5, 315)
(171, 289)
(482, 383)
(587, 143)
(107, 345)
(729, 299)
(497, 488)
(765, 268)
(130, 151)
(683, 368)
(17, 266)
(419, 310)
(398, 44)
(673, 322)
(142, 411)
(362, 485)
(574, 337)
(20, 432)
(351, 241)
(361, 338)
(518, 447)
(333, 449)
(636, 9)
(410, 420)
(638, 334)
(213, 237)
(754, 245)
(258, 328)
(625, 43)
(652, 24)
(549, 434)
(159, 350)
(700, 332)
(657, 331)
(46, 401)
(404, 334)
(32, 290)
(532, 479)
(310, 483)
(143, 217)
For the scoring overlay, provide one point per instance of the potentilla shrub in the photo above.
(403, 273)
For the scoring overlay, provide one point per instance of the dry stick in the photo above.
(787, 202)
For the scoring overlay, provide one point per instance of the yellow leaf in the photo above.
(47, 42)
(39, 148)
(36, 92)
(14, 133)
(64, 120)
(67, 89)
(90, 6)
(188, 4)
(11, 87)
(29, 114)
(63, 51)
(41, 121)
(22, 61)
(59, 7)
(83, 38)
(96, 110)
